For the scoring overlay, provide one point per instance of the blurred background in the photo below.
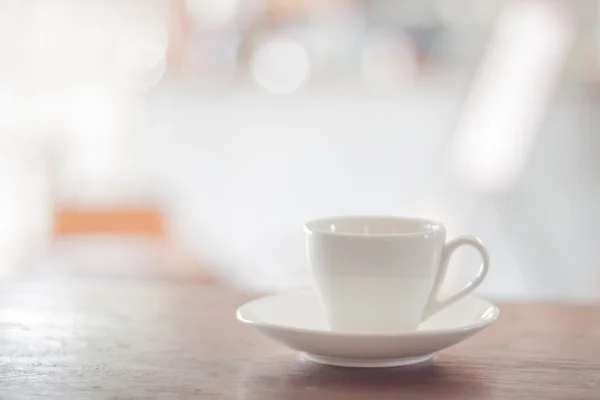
(190, 139)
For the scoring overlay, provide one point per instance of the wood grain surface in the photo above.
(103, 339)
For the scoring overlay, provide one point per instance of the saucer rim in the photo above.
(483, 322)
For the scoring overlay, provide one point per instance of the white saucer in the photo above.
(296, 320)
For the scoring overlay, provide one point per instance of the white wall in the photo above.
(242, 173)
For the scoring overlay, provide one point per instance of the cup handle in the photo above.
(434, 304)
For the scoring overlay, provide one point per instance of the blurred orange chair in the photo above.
(145, 221)
(141, 221)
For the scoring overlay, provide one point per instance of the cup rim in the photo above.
(436, 226)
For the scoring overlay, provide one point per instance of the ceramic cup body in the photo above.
(381, 274)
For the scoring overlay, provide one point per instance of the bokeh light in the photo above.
(281, 66)
(212, 13)
(142, 53)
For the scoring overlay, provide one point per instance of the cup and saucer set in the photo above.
(376, 300)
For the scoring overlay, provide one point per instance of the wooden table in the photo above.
(132, 340)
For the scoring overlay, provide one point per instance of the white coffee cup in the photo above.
(383, 274)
